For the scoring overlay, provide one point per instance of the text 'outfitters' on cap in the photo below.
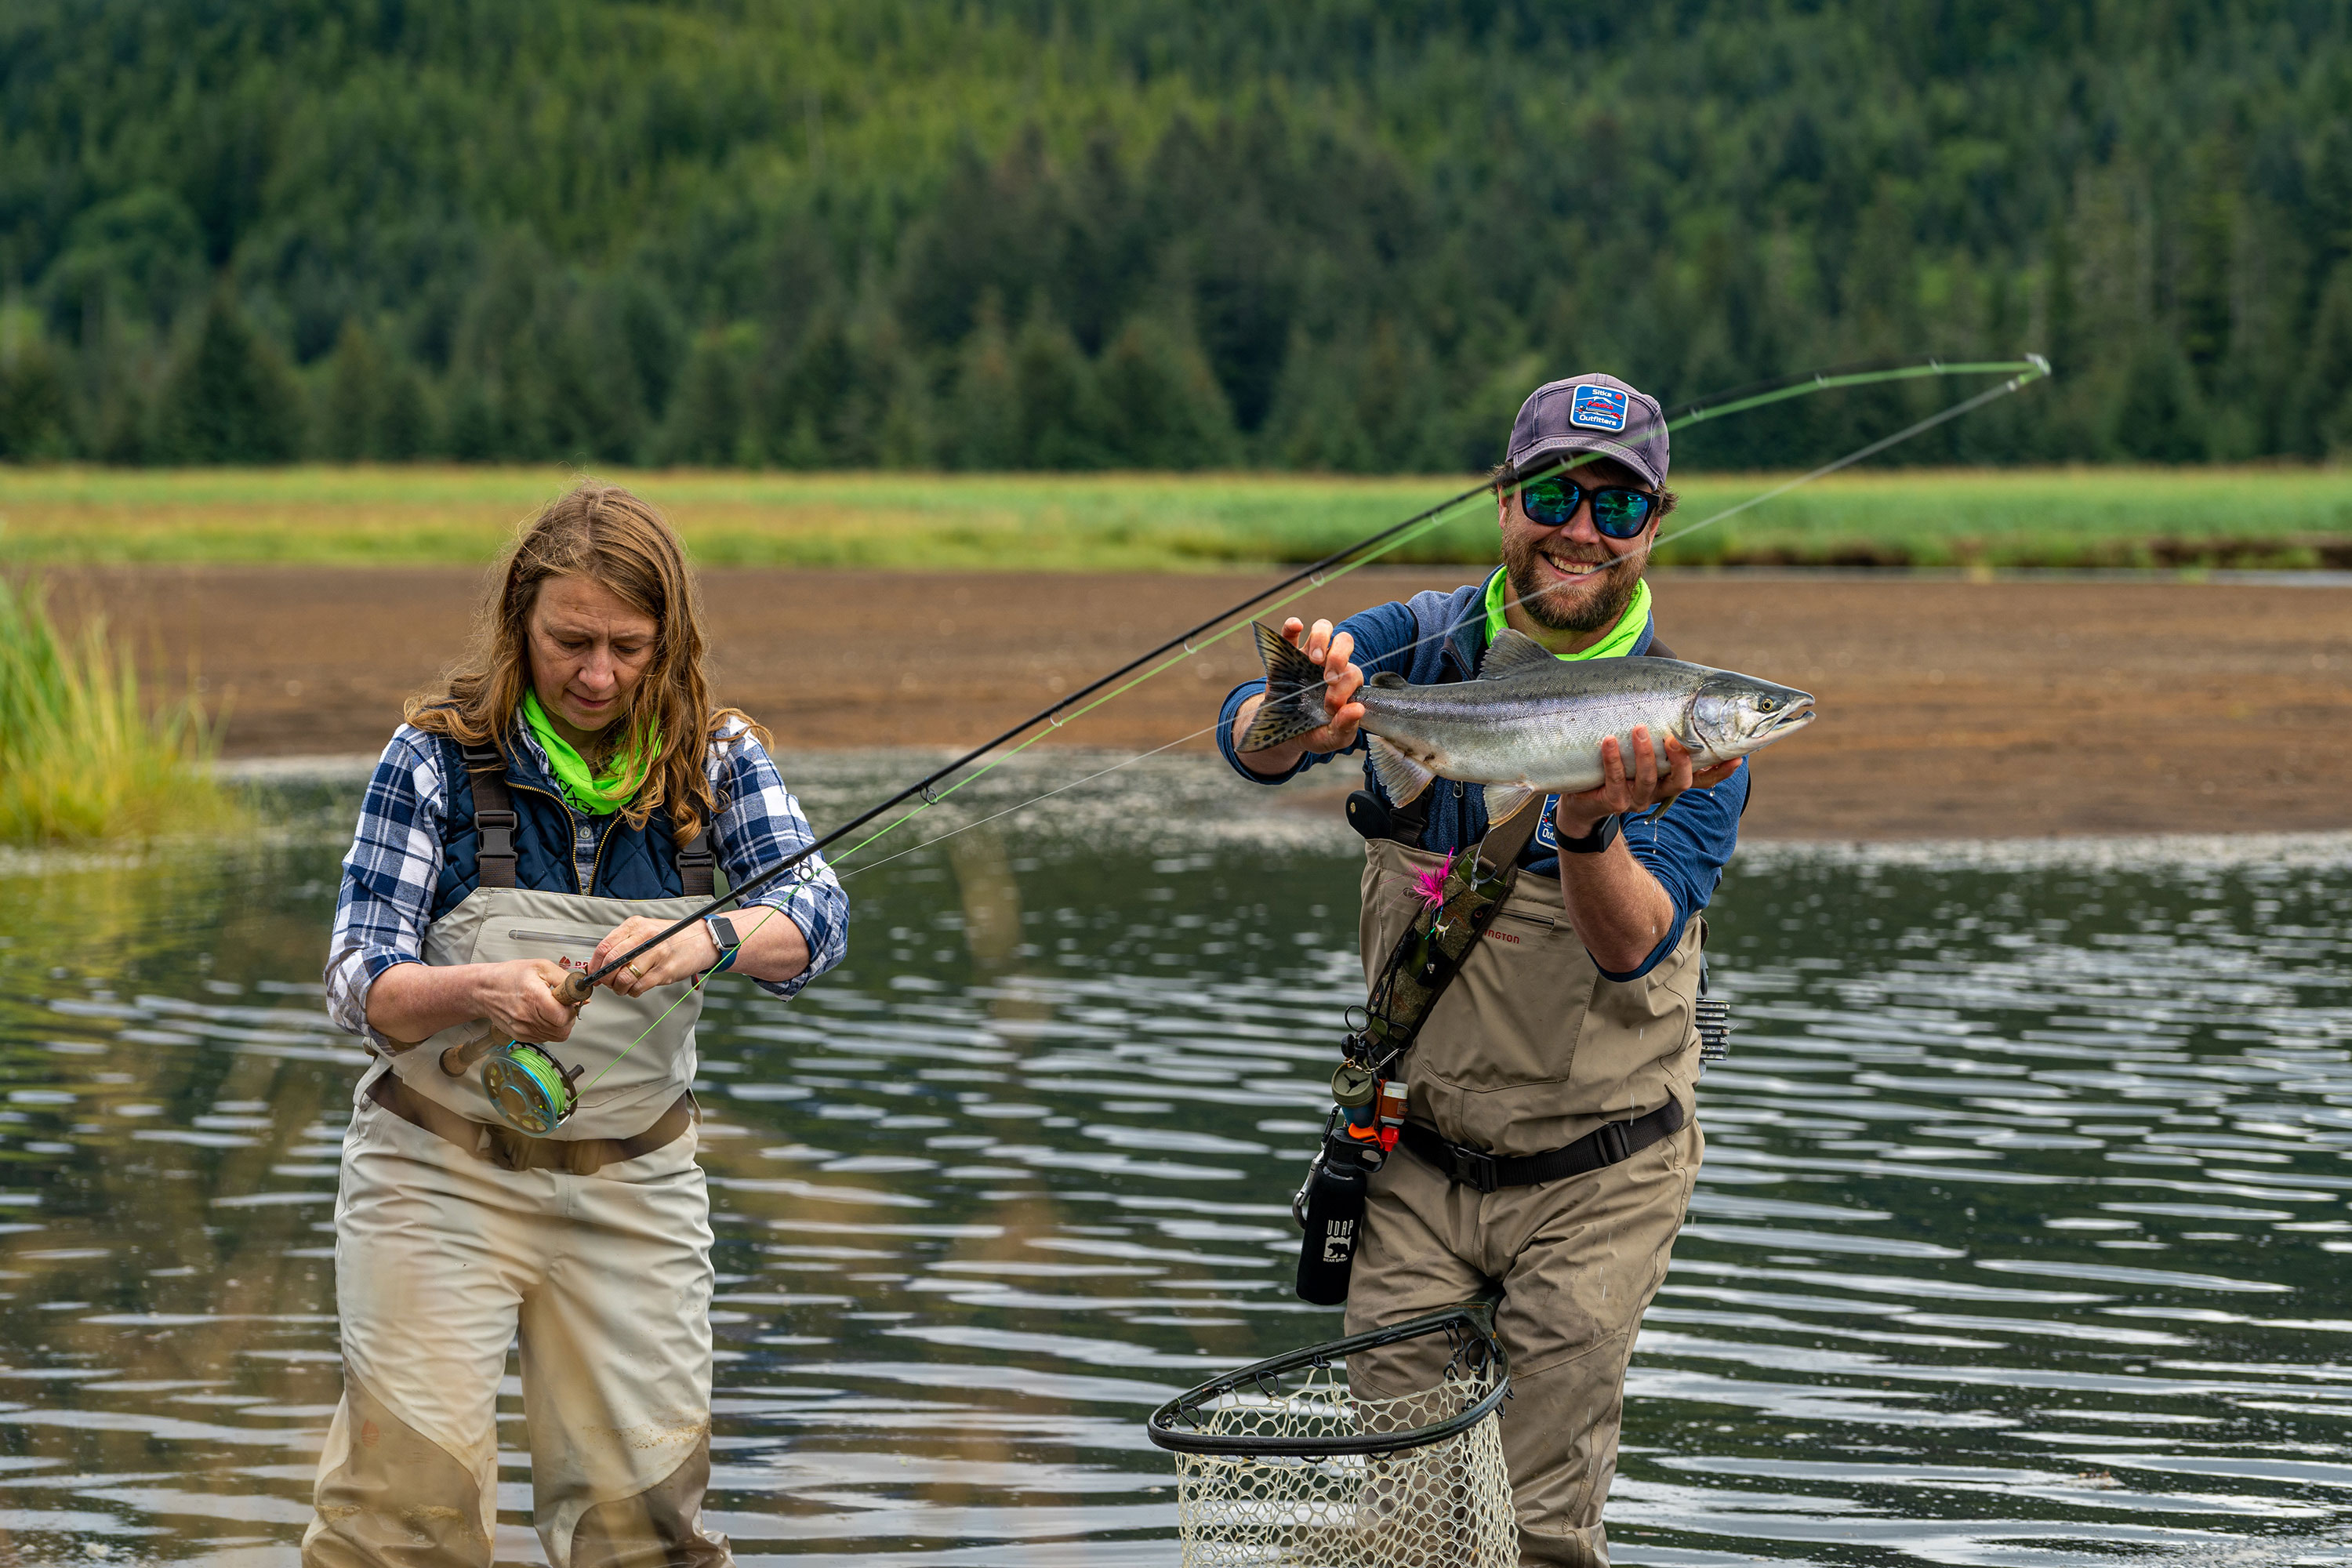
(1596, 413)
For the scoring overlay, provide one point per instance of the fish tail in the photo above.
(1293, 693)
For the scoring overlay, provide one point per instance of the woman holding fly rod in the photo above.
(520, 1165)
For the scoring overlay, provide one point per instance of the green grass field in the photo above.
(2057, 517)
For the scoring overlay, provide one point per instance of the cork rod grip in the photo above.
(458, 1060)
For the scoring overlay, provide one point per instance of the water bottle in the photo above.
(1334, 1214)
(1331, 1206)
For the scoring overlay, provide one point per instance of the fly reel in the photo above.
(530, 1089)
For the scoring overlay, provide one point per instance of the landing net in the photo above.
(1284, 1465)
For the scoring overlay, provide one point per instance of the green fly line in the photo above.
(2021, 372)
(2034, 370)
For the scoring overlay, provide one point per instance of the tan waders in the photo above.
(455, 1238)
(1531, 1052)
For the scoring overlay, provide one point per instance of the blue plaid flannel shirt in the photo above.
(396, 856)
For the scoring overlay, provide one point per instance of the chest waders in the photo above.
(619, 1087)
(1543, 1003)
(1367, 1104)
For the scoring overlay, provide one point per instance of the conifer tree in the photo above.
(230, 398)
(36, 416)
(986, 405)
(1161, 402)
(1062, 415)
(708, 414)
(352, 420)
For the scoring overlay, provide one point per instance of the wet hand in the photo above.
(1659, 772)
(520, 999)
(1342, 680)
(682, 957)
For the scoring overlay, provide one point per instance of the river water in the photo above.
(2019, 1240)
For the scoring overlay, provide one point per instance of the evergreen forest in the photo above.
(1333, 234)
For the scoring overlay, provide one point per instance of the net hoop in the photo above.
(1179, 1424)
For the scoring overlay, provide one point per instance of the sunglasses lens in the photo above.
(1619, 513)
(1550, 502)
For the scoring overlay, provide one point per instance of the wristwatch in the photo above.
(722, 934)
(1603, 833)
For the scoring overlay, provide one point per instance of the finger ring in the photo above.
(636, 970)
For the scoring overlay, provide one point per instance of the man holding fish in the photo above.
(1549, 1142)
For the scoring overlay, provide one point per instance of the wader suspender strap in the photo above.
(494, 818)
(694, 866)
(1428, 956)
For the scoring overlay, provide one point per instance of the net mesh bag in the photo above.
(1280, 1465)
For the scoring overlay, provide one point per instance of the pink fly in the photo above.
(1429, 885)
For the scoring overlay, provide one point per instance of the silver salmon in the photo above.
(1529, 724)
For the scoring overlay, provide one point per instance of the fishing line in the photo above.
(2034, 369)
(767, 911)
(1025, 805)
(1338, 563)
(2038, 368)
(1363, 551)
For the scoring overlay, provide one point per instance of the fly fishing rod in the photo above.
(1739, 400)
(577, 986)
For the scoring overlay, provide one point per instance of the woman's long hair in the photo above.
(605, 534)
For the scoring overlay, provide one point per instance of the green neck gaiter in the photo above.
(599, 794)
(1616, 644)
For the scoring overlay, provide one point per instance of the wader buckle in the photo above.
(1471, 1167)
(1610, 1137)
(497, 831)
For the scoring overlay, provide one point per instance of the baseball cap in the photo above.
(1597, 414)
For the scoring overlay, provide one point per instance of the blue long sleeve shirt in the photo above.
(1439, 637)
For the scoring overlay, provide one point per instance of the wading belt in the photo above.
(494, 820)
(1604, 1145)
(513, 1150)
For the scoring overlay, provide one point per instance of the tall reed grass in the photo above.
(82, 755)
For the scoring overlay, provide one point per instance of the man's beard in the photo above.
(1611, 591)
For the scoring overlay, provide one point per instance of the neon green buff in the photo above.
(599, 794)
(1616, 644)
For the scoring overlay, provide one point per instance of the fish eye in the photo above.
(1768, 704)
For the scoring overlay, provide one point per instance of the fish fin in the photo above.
(1503, 803)
(1403, 778)
(1293, 693)
(1387, 681)
(1514, 652)
(1659, 810)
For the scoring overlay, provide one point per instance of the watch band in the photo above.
(1604, 833)
(723, 937)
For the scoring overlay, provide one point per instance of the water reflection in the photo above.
(2014, 1243)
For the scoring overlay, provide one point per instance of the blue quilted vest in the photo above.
(631, 862)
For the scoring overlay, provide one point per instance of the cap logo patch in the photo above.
(1598, 408)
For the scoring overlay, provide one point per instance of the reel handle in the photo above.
(458, 1060)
